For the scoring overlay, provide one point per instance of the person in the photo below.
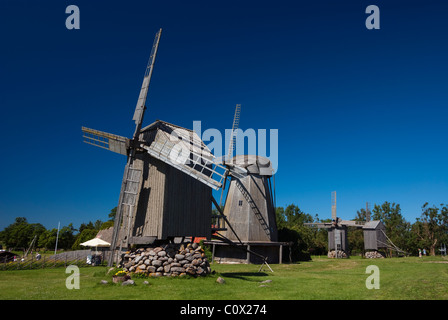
(424, 252)
(38, 256)
(419, 253)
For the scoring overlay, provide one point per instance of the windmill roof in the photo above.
(157, 123)
(374, 224)
(253, 164)
(187, 135)
(106, 234)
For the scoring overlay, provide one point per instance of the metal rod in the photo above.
(57, 237)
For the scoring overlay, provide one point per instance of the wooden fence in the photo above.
(64, 259)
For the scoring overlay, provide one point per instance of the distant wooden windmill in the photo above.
(337, 232)
(374, 232)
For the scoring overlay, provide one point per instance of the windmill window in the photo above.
(240, 203)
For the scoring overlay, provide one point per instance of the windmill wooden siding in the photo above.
(343, 240)
(374, 235)
(170, 202)
(241, 214)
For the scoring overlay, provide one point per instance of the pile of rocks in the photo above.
(167, 260)
(373, 255)
(340, 254)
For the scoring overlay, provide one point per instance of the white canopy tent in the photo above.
(96, 242)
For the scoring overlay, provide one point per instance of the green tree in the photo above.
(19, 234)
(83, 236)
(112, 214)
(107, 225)
(66, 238)
(47, 239)
(88, 231)
(431, 227)
(291, 228)
(84, 226)
(397, 228)
(355, 238)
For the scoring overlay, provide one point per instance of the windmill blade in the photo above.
(236, 122)
(333, 206)
(367, 212)
(139, 109)
(186, 156)
(105, 140)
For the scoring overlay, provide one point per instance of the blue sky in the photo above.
(359, 111)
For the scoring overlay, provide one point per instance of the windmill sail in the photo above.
(139, 109)
(186, 156)
(105, 140)
(236, 122)
(333, 206)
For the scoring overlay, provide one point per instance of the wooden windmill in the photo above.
(337, 232)
(373, 231)
(167, 184)
(249, 207)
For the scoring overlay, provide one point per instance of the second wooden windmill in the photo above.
(249, 208)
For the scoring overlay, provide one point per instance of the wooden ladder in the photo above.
(128, 196)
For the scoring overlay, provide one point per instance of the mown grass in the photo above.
(400, 278)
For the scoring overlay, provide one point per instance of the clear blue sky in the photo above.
(359, 111)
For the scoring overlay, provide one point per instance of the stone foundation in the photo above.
(373, 255)
(340, 254)
(167, 260)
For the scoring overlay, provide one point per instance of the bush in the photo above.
(299, 249)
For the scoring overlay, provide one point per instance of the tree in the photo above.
(88, 231)
(355, 236)
(20, 233)
(84, 226)
(293, 216)
(280, 217)
(83, 236)
(112, 214)
(291, 228)
(431, 226)
(397, 228)
(47, 239)
(66, 238)
(361, 215)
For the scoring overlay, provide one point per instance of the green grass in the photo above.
(400, 278)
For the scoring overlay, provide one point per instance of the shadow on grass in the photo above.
(244, 275)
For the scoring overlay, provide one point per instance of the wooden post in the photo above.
(213, 253)
(248, 254)
(280, 254)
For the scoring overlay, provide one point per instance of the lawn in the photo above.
(322, 278)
